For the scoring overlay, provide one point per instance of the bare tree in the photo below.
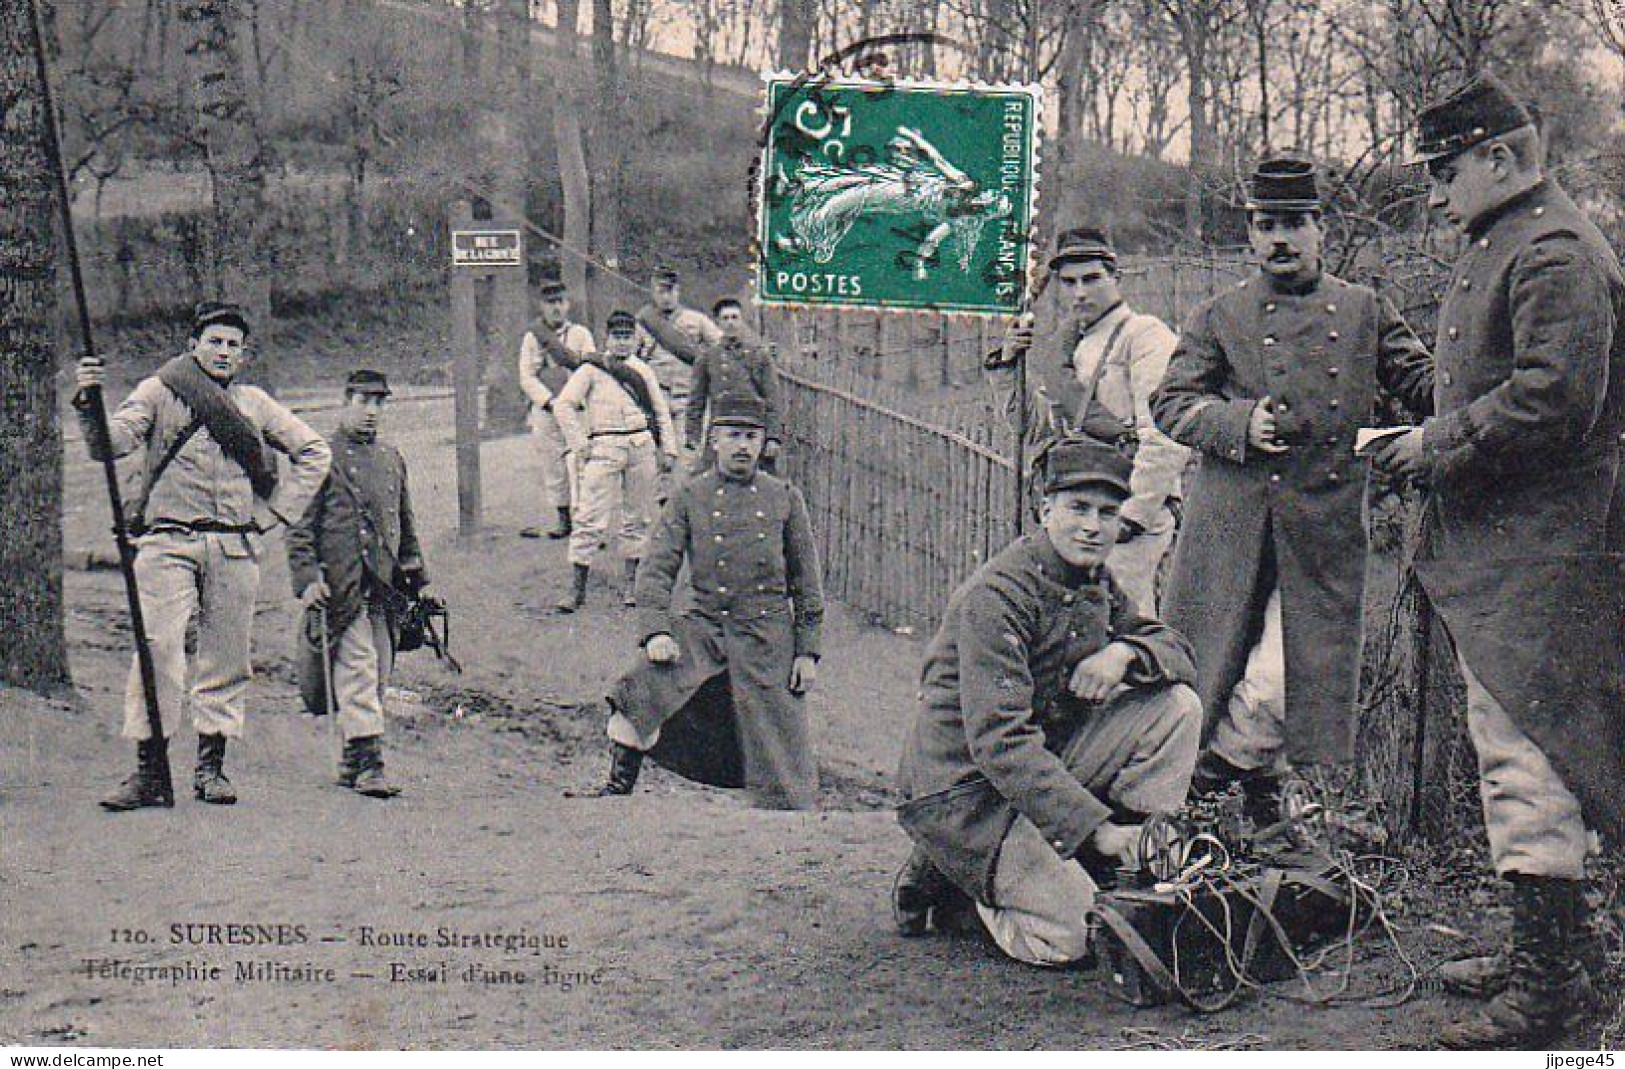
(570, 140)
(34, 654)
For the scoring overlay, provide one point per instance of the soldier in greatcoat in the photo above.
(741, 363)
(1054, 719)
(717, 693)
(355, 560)
(1270, 381)
(550, 351)
(1523, 537)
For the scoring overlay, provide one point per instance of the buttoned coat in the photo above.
(995, 713)
(1324, 355)
(757, 605)
(1522, 538)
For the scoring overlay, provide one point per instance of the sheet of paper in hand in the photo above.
(896, 195)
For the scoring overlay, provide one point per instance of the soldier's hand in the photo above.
(1101, 673)
(1018, 336)
(803, 674)
(1121, 841)
(1261, 428)
(662, 649)
(1401, 455)
(315, 595)
(89, 373)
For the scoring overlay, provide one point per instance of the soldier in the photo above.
(209, 493)
(1270, 381)
(550, 351)
(354, 558)
(1114, 358)
(615, 420)
(741, 364)
(735, 665)
(1521, 555)
(1055, 719)
(660, 326)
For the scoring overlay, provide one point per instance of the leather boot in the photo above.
(1484, 976)
(630, 598)
(209, 782)
(577, 596)
(564, 526)
(924, 900)
(624, 765)
(1547, 987)
(369, 778)
(149, 786)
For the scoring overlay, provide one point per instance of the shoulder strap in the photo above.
(1099, 371)
(138, 507)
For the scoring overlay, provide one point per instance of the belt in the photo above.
(618, 434)
(204, 527)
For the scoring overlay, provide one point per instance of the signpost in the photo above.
(476, 253)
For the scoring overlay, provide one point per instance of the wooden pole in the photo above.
(466, 383)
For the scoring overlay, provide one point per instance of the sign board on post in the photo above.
(487, 248)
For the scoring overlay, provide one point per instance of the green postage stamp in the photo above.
(900, 195)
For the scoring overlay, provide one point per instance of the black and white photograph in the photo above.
(812, 525)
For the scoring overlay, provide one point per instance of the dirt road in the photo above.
(679, 917)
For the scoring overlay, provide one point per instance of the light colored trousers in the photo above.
(1137, 753)
(558, 463)
(363, 658)
(1534, 822)
(619, 472)
(1251, 733)
(1134, 563)
(215, 577)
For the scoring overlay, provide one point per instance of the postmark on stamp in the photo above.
(892, 195)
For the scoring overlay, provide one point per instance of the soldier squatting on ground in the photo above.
(209, 491)
(718, 691)
(355, 564)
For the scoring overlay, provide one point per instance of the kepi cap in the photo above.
(1283, 184)
(1080, 244)
(552, 289)
(365, 380)
(621, 322)
(1079, 461)
(1478, 111)
(739, 410)
(665, 274)
(209, 313)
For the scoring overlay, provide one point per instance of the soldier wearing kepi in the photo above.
(1055, 719)
(1523, 536)
(1270, 381)
(550, 352)
(209, 493)
(717, 694)
(663, 325)
(354, 557)
(614, 417)
(1114, 357)
(742, 364)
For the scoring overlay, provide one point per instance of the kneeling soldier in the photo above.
(354, 557)
(1055, 720)
(736, 664)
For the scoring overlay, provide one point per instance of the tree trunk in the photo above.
(610, 144)
(34, 653)
(571, 143)
(503, 155)
(236, 157)
(796, 18)
(1193, 37)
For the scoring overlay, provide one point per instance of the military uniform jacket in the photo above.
(358, 531)
(757, 605)
(1523, 531)
(735, 368)
(1324, 356)
(995, 713)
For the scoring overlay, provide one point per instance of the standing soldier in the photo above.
(1114, 358)
(662, 327)
(354, 558)
(741, 657)
(615, 420)
(209, 493)
(742, 364)
(1523, 535)
(549, 353)
(1055, 719)
(1270, 381)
